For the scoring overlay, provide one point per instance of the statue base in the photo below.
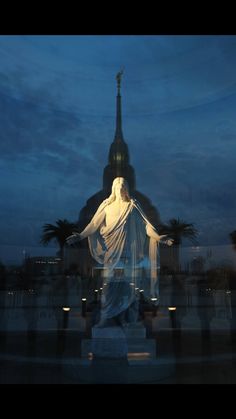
(108, 342)
(129, 342)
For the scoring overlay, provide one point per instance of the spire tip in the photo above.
(118, 78)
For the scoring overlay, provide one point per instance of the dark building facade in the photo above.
(118, 165)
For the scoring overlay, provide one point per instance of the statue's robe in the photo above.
(129, 257)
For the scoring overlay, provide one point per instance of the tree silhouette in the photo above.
(178, 229)
(59, 234)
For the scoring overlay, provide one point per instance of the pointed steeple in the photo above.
(118, 159)
(118, 132)
(118, 165)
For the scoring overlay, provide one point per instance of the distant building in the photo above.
(211, 256)
(42, 265)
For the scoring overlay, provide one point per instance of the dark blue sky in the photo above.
(57, 119)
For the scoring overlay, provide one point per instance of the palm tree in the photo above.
(233, 238)
(58, 233)
(177, 230)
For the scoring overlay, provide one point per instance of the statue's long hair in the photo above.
(112, 197)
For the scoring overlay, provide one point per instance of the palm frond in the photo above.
(58, 232)
(179, 229)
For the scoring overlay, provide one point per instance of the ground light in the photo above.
(66, 311)
(84, 307)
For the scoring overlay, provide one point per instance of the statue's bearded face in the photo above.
(120, 187)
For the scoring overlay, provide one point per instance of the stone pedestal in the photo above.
(120, 355)
(116, 342)
(108, 342)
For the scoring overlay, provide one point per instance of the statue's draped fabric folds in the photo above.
(128, 255)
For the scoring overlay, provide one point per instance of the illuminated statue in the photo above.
(125, 243)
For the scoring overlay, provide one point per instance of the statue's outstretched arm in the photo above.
(94, 224)
(151, 232)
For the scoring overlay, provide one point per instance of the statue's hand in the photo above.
(169, 242)
(73, 238)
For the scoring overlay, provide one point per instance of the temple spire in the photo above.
(118, 133)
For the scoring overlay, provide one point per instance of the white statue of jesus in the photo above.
(123, 240)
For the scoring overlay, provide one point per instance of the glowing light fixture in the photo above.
(118, 157)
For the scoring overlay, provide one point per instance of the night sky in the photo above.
(57, 119)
